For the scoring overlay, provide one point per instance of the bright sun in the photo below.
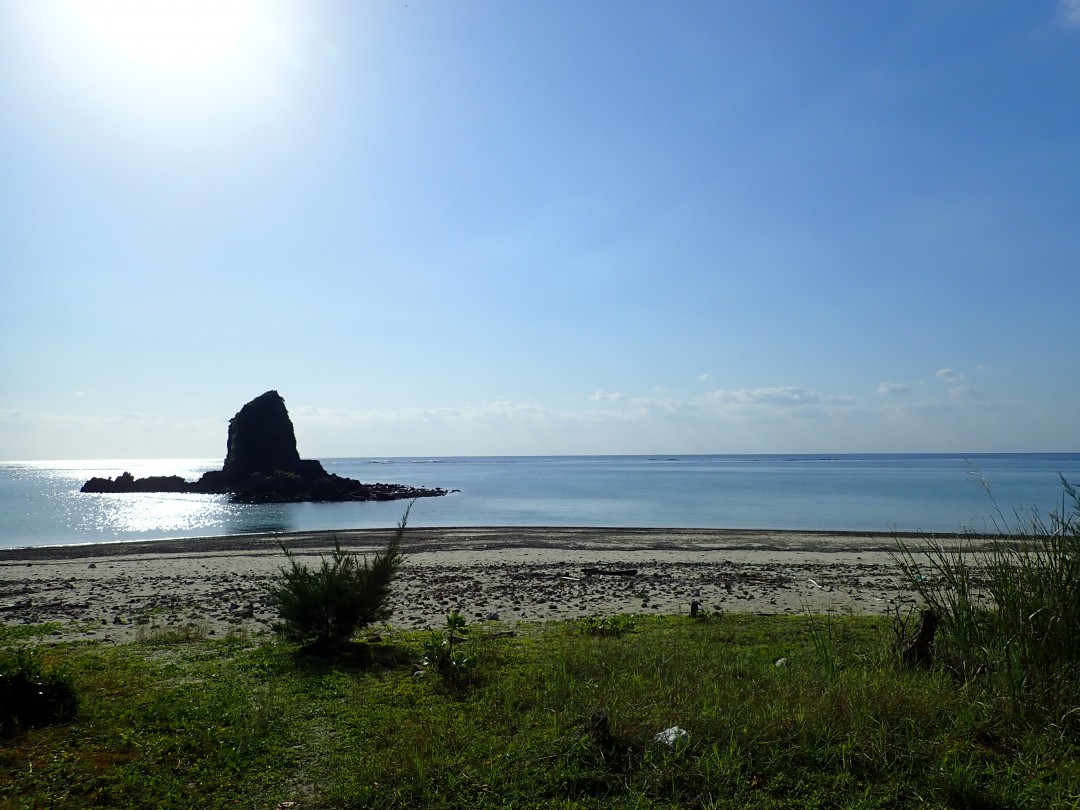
(164, 74)
(169, 33)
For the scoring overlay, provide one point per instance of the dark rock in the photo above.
(287, 488)
(262, 440)
(604, 572)
(129, 483)
(262, 465)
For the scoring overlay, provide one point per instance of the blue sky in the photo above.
(510, 228)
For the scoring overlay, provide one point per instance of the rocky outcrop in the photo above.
(262, 465)
(129, 483)
(330, 487)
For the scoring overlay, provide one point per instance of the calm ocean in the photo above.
(40, 502)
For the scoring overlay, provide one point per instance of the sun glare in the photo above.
(164, 74)
(168, 33)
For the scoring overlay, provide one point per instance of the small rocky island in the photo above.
(262, 465)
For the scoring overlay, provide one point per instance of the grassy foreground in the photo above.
(561, 715)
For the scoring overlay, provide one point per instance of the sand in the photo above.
(125, 591)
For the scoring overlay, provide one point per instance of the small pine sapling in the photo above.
(322, 608)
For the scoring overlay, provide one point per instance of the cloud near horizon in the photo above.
(948, 375)
(785, 396)
(123, 434)
(717, 421)
(966, 393)
(893, 388)
(762, 420)
(603, 396)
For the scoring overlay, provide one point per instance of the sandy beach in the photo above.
(124, 591)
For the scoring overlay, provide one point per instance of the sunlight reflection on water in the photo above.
(47, 502)
(165, 512)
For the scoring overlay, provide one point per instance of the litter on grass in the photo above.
(670, 736)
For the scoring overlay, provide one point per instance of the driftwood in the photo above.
(920, 652)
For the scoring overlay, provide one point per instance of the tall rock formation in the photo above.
(261, 439)
(261, 451)
(262, 465)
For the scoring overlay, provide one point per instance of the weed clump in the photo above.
(439, 651)
(323, 607)
(1009, 614)
(616, 626)
(33, 695)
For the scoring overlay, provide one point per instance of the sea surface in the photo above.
(40, 502)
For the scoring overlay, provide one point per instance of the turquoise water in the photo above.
(40, 502)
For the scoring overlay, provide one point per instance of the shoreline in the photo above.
(117, 592)
(320, 537)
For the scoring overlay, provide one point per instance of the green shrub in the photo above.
(32, 695)
(1010, 613)
(323, 607)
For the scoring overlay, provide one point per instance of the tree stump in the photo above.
(920, 652)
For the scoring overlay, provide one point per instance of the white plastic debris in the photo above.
(781, 662)
(670, 736)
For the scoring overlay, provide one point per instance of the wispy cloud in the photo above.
(121, 434)
(607, 396)
(893, 388)
(78, 423)
(704, 376)
(1069, 13)
(773, 419)
(965, 393)
(779, 397)
(716, 421)
(948, 375)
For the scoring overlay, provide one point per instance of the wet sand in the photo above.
(123, 591)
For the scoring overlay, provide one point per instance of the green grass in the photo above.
(24, 632)
(191, 722)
